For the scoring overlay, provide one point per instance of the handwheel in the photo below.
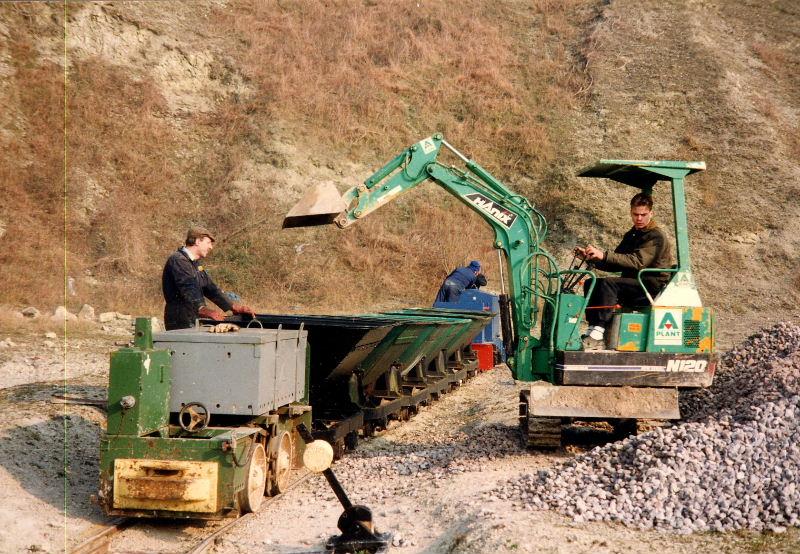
(255, 481)
(194, 417)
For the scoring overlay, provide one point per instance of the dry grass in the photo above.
(380, 75)
(347, 82)
(31, 172)
(773, 56)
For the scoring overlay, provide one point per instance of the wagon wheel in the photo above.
(351, 440)
(255, 480)
(280, 462)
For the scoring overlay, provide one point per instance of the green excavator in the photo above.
(652, 350)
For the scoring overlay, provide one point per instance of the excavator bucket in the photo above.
(319, 206)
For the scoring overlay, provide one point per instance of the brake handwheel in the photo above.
(194, 417)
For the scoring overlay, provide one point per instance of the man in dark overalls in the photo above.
(462, 278)
(185, 283)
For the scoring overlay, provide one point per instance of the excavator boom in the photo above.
(518, 226)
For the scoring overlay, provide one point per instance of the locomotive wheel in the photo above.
(280, 462)
(255, 481)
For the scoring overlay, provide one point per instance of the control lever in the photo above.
(355, 523)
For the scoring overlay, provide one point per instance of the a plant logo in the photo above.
(668, 328)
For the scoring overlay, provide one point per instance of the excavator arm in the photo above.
(519, 228)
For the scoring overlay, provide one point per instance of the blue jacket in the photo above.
(463, 276)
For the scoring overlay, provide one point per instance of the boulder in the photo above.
(86, 312)
(31, 312)
(62, 314)
(107, 317)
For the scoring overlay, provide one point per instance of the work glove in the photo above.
(223, 328)
(242, 309)
(208, 313)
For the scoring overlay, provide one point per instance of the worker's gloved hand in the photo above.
(223, 328)
(208, 313)
(243, 310)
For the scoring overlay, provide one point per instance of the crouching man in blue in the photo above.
(185, 282)
(462, 278)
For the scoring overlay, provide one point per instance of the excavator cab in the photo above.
(672, 321)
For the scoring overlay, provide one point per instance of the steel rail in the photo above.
(204, 545)
(98, 542)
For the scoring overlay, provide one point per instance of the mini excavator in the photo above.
(652, 350)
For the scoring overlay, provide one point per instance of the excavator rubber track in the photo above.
(543, 433)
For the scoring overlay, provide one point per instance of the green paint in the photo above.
(144, 375)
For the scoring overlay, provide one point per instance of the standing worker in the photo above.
(644, 246)
(185, 282)
(469, 277)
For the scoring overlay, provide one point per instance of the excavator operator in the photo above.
(644, 246)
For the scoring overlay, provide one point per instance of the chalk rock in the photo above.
(86, 312)
(107, 317)
(31, 312)
(62, 314)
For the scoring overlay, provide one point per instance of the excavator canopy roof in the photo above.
(642, 174)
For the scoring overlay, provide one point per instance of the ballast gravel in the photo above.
(735, 464)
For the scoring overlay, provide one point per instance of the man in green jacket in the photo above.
(644, 245)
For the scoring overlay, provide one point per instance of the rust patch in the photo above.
(171, 485)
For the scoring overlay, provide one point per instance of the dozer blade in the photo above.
(319, 206)
(603, 402)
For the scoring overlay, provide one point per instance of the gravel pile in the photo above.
(736, 465)
(748, 377)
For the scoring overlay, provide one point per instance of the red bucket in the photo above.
(485, 352)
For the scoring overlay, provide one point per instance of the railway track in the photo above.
(99, 542)
(206, 543)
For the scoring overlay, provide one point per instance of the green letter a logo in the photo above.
(668, 322)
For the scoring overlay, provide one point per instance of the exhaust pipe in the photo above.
(319, 206)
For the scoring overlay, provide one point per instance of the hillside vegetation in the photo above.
(224, 113)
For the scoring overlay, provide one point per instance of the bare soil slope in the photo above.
(224, 113)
